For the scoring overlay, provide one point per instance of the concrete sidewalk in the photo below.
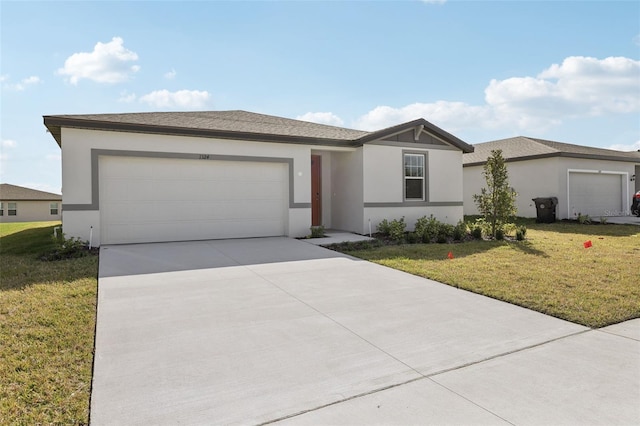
(274, 329)
(622, 220)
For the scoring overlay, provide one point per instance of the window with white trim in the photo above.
(53, 208)
(414, 177)
(1, 209)
(12, 209)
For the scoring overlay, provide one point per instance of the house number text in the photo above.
(204, 156)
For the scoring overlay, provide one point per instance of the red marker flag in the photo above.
(587, 244)
(450, 255)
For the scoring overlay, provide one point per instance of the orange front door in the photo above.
(316, 190)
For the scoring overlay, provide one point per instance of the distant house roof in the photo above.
(19, 193)
(523, 148)
(236, 125)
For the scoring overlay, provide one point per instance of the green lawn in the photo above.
(47, 322)
(551, 272)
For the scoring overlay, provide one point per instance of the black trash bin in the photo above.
(546, 209)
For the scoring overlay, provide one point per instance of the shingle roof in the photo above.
(230, 121)
(523, 148)
(234, 125)
(10, 192)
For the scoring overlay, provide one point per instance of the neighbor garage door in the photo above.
(158, 199)
(595, 194)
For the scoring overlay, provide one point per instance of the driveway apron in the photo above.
(277, 330)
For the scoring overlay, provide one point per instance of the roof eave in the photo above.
(54, 124)
(30, 199)
(558, 154)
(443, 134)
(54, 130)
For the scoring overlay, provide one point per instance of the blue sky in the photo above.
(565, 71)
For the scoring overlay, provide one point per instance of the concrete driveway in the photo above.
(275, 330)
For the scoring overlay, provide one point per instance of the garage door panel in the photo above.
(595, 194)
(129, 168)
(128, 189)
(150, 199)
(142, 212)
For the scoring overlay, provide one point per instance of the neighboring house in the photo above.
(19, 204)
(148, 177)
(589, 181)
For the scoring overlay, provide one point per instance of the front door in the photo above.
(316, 190)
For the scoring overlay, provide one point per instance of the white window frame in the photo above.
(422, 178)
(14, 209)
(52, 207)
(1, 208)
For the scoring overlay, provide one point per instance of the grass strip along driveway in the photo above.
(47, 322)
(551, 272)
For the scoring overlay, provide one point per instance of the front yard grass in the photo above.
(551, 272)
(47, 322)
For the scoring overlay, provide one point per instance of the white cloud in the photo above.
(187, 99)
(623, 147)
(127, 97)
(636, 40)
(170, 75)
(8, 143)
(22, 85)
(434, 1)
(4, 77)
(321, 118)
(579, 87)
(451, 115)
(107, 63)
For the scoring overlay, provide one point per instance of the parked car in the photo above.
(635, 204)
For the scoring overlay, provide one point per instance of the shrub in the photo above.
(584, 219)
(317, 231)
(420, 225)
(476, 232)
(413, 238)
(396, 229)
(484, 226)
(509, 228)
(427, 228)
(444, 232)
(67, 248)
(499, 234)
(460, 231)
(521, 232)
(384, 228)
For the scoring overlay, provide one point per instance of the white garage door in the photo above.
(157, 199)
(595, 194)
